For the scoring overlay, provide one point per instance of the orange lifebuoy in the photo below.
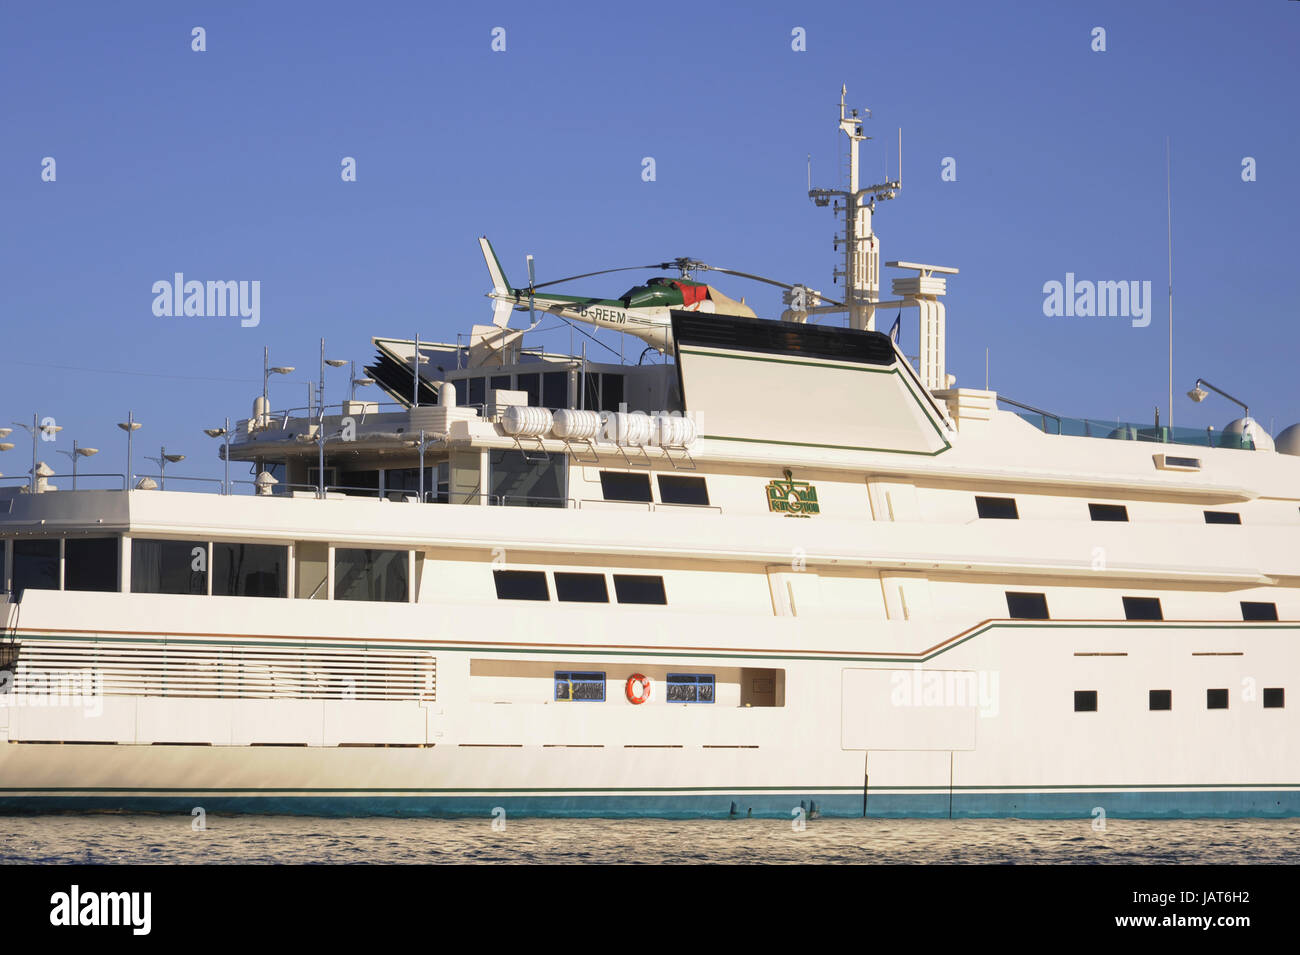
(635, 694)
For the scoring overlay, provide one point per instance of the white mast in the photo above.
(861, 272)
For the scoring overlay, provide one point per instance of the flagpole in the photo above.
(1169, 214)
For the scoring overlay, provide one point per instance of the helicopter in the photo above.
(644, 311)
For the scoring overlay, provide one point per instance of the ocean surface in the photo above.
(157, 838)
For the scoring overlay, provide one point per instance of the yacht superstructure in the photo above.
(781, 568)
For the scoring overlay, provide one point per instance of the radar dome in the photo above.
(1288, 442)
(1251, 429)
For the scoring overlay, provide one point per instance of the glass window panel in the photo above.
(169, 566)
(521, 585)
(250, 570)
(555, 389)
(639, 589)
(532, 385)
(581, 588)
(364, 574)
(90, 563)
(515, 480)
(621, 486)
(36, 565)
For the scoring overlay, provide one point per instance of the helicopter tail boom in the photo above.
(501, 294)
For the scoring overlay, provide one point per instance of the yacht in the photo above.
(759, 567)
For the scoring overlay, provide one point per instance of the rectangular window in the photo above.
(169, 566)
(576, 687)
(1274, 697)
(1216, 699)
(621, 486)
(1161, 700)
(36, 565)
(581, 588)
(499, 381)
(516, 481)
(1258, 610)
(250, 570)
(4, 572)
(521, 585)
(689, 688)
(475, 388)
(1222, 517)
(531, 385)
(1142, 608)
(639, 589)
(997, 508)
(679, 489)
(1085, 701)
(362, 574)
(555, 389)
(611, 391)
(90, 563)
(1108, 512)
(1027, 606)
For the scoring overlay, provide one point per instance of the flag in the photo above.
(896, 327)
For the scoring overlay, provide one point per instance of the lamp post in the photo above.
(223, 432)
(353, 381)
(130, 426)
(333, 363)
(162, 459)
(268, 371)
(1199, 394)
(37, 430)
(78, 452)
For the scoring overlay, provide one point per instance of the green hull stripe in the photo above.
(691, 654)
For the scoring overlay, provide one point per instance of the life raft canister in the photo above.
(638, 688)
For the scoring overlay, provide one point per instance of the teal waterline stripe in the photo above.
(1044, 788)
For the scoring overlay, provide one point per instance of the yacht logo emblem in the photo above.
(792, 498)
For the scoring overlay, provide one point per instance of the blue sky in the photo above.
(225, 164)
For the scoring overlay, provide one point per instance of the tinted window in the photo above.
(476, 391)
(361, 574)
(1216, 699)
(1142, 608)
(250, 570)
(1222, 517)
(1161, 700)
(36, 565)
(532, 385)
(690, 687)
(1027, 606)
(555, 389)
(521, 585)
(580, 687)
(1108, 512)
(997, 508)
(169, 567)
(581, 588)
(638, 589)
(1274, 697)
(1085, 701)
(620, 486)
(515, 480)
(1258, 610)
(500, 381)
(90, 563)
(611, 391)
(678, 489)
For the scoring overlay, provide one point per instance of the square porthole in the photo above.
(1274, 698)
(1085, 701)
(1216, 699)
(1160, 700)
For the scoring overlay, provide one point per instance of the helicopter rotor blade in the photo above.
(587, 275)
